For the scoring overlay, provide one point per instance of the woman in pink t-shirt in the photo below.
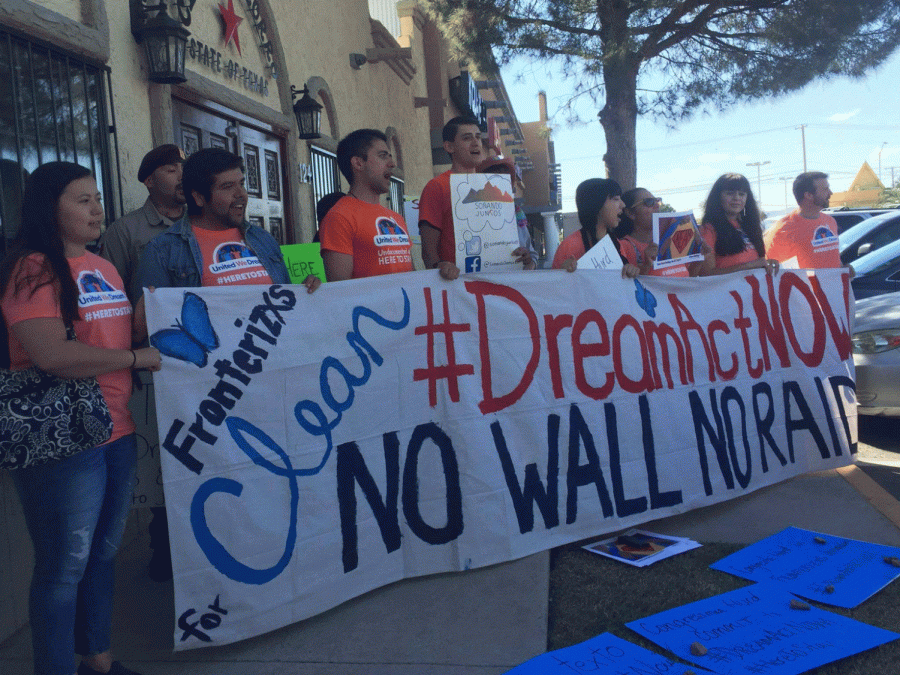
(731, 227)
(599, 203)
(75, 508)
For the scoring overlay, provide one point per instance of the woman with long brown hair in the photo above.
(732, 229)
(75, 508)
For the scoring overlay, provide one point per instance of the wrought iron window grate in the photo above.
(52, 107)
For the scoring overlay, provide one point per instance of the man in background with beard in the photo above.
(124, 241)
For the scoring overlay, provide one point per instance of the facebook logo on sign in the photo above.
(473, 263)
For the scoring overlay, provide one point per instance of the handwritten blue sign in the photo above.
(832, 570)
(605, 653)
(755, 631)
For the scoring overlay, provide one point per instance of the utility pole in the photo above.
(803, 137)
(786, 179)
(879, 163)
(758, 184)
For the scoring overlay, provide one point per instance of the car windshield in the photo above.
(878, 260)
(860, 230)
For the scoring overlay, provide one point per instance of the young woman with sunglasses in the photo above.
(635, 234)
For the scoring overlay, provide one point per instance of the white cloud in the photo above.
(843, 117)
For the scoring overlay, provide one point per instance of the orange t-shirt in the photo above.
(374, 236)
(227, 260)
(436, 207)
(104, 321)
(814, 243)
(573, 245)
(749, 254)
(633, 251)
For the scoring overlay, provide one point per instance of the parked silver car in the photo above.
(876, 353)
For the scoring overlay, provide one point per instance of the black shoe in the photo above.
(160, 567)
(116, 669)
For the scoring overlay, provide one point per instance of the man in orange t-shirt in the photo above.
(360, 237)
(211, 245)
(807, 235)
(462, 141)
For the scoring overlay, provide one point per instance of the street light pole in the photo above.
(785, 179)
(758, 184)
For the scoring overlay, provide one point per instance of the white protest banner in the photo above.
(484, 222)
(678, 239)
(602, 256)
(317, 446)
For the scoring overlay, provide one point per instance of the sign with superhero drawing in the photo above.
(317, 446)
(484, 222)
(678, 239)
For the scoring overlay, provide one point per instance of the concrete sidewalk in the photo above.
(843, 502)
(481, 622)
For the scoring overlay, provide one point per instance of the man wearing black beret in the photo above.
(125, 239)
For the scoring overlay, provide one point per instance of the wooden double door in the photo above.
(265, 178)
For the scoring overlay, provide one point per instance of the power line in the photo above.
(697, 187)
(689, 143)
(835, 127)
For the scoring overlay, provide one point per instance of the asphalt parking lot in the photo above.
(879, 451)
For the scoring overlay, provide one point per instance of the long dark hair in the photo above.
(626, 222)
(590, 196)
(40, 233)
(728, 240)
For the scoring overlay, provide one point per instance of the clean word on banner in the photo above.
(317, 446)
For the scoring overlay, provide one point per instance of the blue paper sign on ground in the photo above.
(605, 653)
(754, 631)
(832, 570)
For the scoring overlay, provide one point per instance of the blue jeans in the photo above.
(75, 510)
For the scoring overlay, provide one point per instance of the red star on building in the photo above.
(232, 21)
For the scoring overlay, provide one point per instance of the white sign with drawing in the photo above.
(411, 216)
(602, 256)
(484, 222)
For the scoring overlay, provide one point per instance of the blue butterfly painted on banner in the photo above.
(645, 299)
(193, 338)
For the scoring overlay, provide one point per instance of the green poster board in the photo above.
(303, 260)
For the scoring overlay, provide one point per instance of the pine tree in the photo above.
(710, 55)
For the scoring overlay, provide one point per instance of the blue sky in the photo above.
(847, 121)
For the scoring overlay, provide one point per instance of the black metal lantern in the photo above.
(308, 113)
(165, 42)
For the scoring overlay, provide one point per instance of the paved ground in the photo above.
(879, 451)
(482, 622)
(485, 621)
